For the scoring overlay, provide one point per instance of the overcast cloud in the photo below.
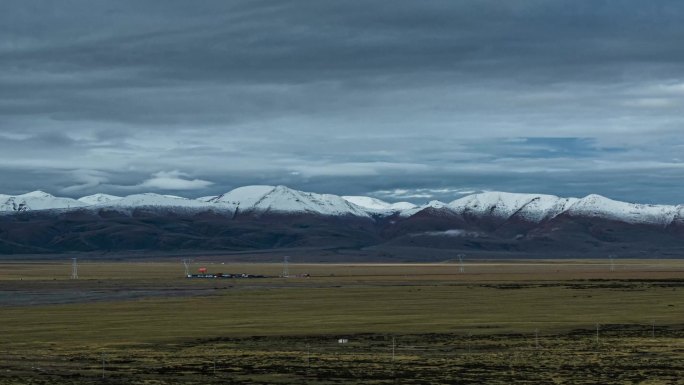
(412, 100)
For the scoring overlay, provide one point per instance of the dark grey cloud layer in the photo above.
(399, 99)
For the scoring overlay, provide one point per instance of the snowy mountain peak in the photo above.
(96, 199)
(36, 200)
(500, 201)
(502, 205)
(36, 194)
(246, 196)
(599, 206)
(594, 199)
(282, 199)
(262, 199)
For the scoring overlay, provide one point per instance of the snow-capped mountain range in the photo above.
(534, 208)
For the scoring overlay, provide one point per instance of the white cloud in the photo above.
(358, 169)
(651, 102)
(424, 193)
(89, 179)
(670, 88)
(174, 180)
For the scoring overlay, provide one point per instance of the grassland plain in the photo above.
(522, 322)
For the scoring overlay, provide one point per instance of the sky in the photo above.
(401, 100)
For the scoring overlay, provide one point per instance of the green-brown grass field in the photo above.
(495, 322)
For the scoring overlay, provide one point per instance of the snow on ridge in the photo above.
(403, 206)
(281, 199)
(367, 202)
(152, 200)
(375, 204)
(544, 207)
(430, 205)
(540, 207)
(274, 199)
(36, 194)
(599, 206)
(207, 198)
(98, 198)
(36, 200)
(246, 196)
(679, 215)
(503, 205)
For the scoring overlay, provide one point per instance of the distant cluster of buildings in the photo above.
(225, 275)
(202, 272)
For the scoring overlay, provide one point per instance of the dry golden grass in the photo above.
(148, 315)
(534, 270)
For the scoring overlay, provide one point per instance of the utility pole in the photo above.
(103, 364)
(74, 268)
(461, 267)
(308, 360)
(186, 265)
(394, 345)
(536, 338)
(597, 333)
(393, 365)
(653, 329)
(612, 262)
(469, 335)
(286, 267)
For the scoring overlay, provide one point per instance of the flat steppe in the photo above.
(536, 321)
